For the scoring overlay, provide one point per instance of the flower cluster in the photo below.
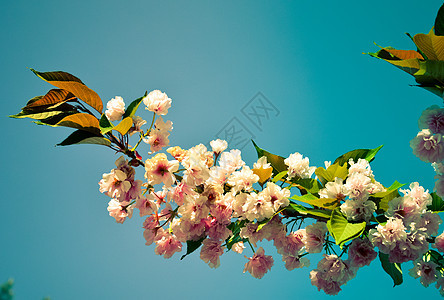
(210, 198)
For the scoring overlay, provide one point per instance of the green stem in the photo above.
(142, 135)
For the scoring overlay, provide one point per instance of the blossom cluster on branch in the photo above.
(210, 200)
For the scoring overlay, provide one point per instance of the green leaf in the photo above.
(430, 73)
(437, 203)
(315, 201)
(434, 256)
(37, 115)
(105, 125)
(84, 137)
(6, 292)
(393, 269)
(276, 161)
(279, 176)
(132, 108)
(70, 83)
(368, 154)
(342, 230)
(383, 198)
(307, 184)
(124, 125)
(439, 21)
(192, 246)
(295, 209)
(333, 171)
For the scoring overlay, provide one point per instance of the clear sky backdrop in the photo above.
(211, 58)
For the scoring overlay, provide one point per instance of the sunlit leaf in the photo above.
(333, 171)
(81, 121)
(309, 185)
(276, 161)
(430, 73)
(124, 125)
(132, 108)
(342, 230)
(315, 201)
(368, 154)
(432, 45)
(105, 125)
(72, 84)
(292, 209)
(84, 137)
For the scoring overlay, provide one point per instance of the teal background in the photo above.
(210, 57)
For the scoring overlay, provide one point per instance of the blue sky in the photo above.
(211, 58)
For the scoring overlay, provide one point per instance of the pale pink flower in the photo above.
(115, 108)
(146, 205)
(404, 208)
(138, 122)
(439, 243)
(358, 210)
(211, 252)
(194, 209)
(293, 243)
(157, 102)
(386, 236)
(187, 231)
(274, 229)
(426, 271)
(428, 147)
(334, 190)
(361, 166)
(159, 169)
(262, 163)
(276, 195)
(330, 287)
(413, 247)
(432, 118)
(257, 207)
(217, 229)
(231, 161)
(439, 185)
(157, 140)
(152, 235)
(197, 171)
(315, 236)
(237, 203)
(238, 247)
(243, 179)
(430, 222)
(293, 262)
(250, 232)
(178, 193)
(167, 245)
(218, 146)
(358, 185)
(115, 184)
(419, 195)
(119, 212)
(361, 253)
(259, 264)
(298, 166)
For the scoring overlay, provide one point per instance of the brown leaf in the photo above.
(72, 84)
(54, 96)
(81, 121)
(404, 54)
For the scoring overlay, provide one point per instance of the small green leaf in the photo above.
(279, 176)
(132, 108)
(105, 124)
(37, 115)
(393, 269)
(368, 154)
(192, 246)
(382, 199)
(437, 203)
(124, 125)
(315, 201)
(333, 171)
(342, 230)
(84, 137)
(307, 184)
(294, 208)
(430, 73)
(276, 161)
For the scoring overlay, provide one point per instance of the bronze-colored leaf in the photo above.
(72, 84)
(54, 96)
(404, 54)
(81, 121)
(124, 125)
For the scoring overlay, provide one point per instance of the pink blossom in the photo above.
(298, 166)
(330, 287)
(259, 264)
(157, 102)
(115, 184)
(418, 194)
(119, 212)
(426, 271)
(194, 209)
(293, 262)
(358, 186)
(386, 236)
(168, 245)
(430, 222)
(293, 243)
(428, 147)
(250, 232)
(432, 118)
(218, 146)
(361, 253)
(146, 205)
(439, 243)
(238, 247)
(315, 235)
(159, 169)
(211, 251)
(153, 235)
(115, 108)
(218, 230)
